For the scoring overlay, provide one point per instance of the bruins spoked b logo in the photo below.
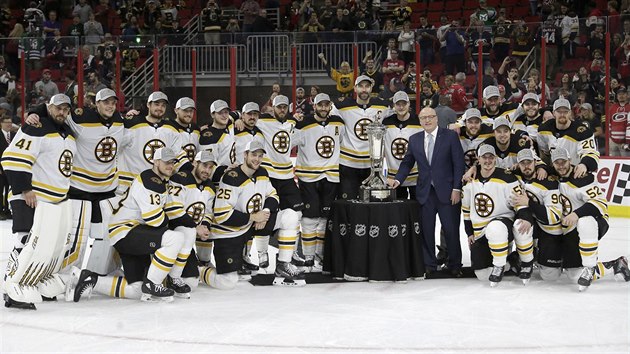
(484, 205)
(532, 196)
(65, 163)
(567, 208)
(191, 151)
(255, 203)
(325, 146)
(196, 211)
(150, 147)
(360, 129)
(106, 149)
(399, 148)
(281, 142)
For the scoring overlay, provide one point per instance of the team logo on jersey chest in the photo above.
(399, 148)
(484, 205)
(470, 157)
(150, 147)
(360, 129)
(567, 208)
(191, 151)
(281, 142)
(255, 203)
(196, 211)
(619, 117)
(233, 153)
(325, 146)
(65, 163)
(532, 196)
(106, 149)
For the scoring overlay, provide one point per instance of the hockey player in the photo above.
(219, 137)
(354, 162)
(246, 201)
(531, 119)
(542, 198)
(38, 165)
(575, 137)
(506, 143)
(317, 168)
(182, 135)
(149, 230)
(473, 134)
(400, 126)
(489, 218)
(493, 108)
(142, 138)
(248, 131)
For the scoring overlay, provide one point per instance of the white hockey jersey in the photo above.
(318, 149)
(354, 142)
(238, 196)
(471, 143)
(582, 196)
(98, 144)
(197, 198)
(396, 141)
(544, 203)
(278, 143)
(242, 137)
(578, 139)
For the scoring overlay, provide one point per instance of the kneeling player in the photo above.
(489, 218)
(148, 231)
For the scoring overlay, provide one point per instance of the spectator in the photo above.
(618, 125)
(131, 30)
(90, 62)
(551, 34)
(51, 24)
(426, 39)
(83, 10)
(301, 104)
(127, 9)
(314, 91)
(268, 106)
(522, 41)
(441, 35)
(156, 30)
(211, 20)
(372, 70)
(94, 83)
(54, 51)
(566, 85)
(455, 48)
(446, 115)
(46, 88)
(93, 31)
(76, 28)
(456, 92)
(340, 23)
(479, 36)
(623, 61)
(232, 26)
(534, 75)
(392, 44)
(502, 39)
(103, 14)
(616, 42)
(427, 97)
(5, 19)
(306, 10)
(129, 60)
(362, 16)
(409, 80)
(570, 26)
(393, 68)
(510, 80)
(407, 43)
(395, 85)
(262, 24)
(250, 10)
(487, 79)
(626, 28)
(486, 14)
(598, 65)
(34, 51)
(72, 89)
(326, 13)
(401, 14)
(169, 15)
(12, 46)
(344, 77)
(152, 14)
(7, 79)
(614, 86)
(427, 77)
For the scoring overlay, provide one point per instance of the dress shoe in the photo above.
(3, 216)
(456, 272)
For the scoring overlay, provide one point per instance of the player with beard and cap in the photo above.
(142, 137)
(473, 134)
(182, 135)
(219, 137)
(531, 119)
(317, 168)
(354, 161)
(489, 218)
(493, 107)
(584, 223)
(150, 230)
(38, 164)
(576, 137)
(400, 126)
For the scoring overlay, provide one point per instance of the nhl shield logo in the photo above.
(359, 230)
(342, 229)
(416, 227)
(374, 230)
(392, 230)
(403, 230)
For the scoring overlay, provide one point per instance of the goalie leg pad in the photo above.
(79, 233)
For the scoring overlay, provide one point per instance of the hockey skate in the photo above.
(525, 273)
(287, 274)
(180, 287)
(263, 260)
(586, 278)
(249, 265)
(301, 262)
(620, 267)
(85, 285)
(9, 302)
(156, 292)
(496, 275)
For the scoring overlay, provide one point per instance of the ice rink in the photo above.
(428, 316)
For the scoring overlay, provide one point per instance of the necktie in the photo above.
(8, 137)
(430, 148)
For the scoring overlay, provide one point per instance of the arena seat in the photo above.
(453, 5)
(436, 6)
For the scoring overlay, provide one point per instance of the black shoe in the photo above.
(9, 302)
(456, 272)
(8, 215)
(442, 256)
(85, 284)
(3, 216)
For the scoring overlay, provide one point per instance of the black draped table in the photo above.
(374, 241)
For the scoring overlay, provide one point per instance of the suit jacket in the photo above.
(446, 171)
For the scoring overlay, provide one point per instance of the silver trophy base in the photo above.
(375, 194)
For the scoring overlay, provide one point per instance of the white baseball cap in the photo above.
(165, 154)
(486, 149)
(157, 96)
(60, 99)
(206, 156)
(251, 107)
(321, 97)
(279, 100)
(400, 96)
(472, 113)
(255, 145)
(185, 103)
(561, 103)
(363, 78)
(104, 94)
(218, 106)
(559, 154)
(525, 154)
(491, 91)
(499, 122)
(530, 96)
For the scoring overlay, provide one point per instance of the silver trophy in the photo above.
(374, 188)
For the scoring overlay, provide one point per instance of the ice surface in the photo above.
(432, 316)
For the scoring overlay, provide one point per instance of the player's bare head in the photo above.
(185, 110)
(59, 108)
(251, 112)
(472, 119)
(401, 103)
(526, 162)
(322, 105)
(280, 107)
(561, 161)
(156, 103)
(345, 67)
(204, 165)
(363, 87)
(254, 153)
(428, 119)
(164, 162)
(106, 101)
